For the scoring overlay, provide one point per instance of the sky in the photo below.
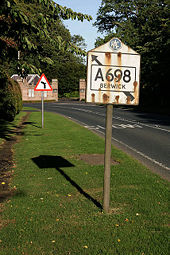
(85, 28)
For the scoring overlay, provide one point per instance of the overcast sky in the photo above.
(85, 28)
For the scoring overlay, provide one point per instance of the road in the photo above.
(144, 136)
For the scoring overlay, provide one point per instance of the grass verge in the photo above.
(56, 207)
(7, 129)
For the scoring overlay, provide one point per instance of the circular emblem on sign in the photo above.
(115, 44)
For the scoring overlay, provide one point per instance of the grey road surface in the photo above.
(144, 136)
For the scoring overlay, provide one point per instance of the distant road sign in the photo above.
(113, 74)
(43, 84)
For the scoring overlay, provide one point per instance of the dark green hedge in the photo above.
(10, 97)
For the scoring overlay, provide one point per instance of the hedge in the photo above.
(10, 97)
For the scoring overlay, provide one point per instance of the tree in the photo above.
(143, 25)
(79, 41)
(17, 23)
(34, 28)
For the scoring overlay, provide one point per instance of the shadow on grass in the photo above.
(6, 129)
(6, 194)
(45, 161)
(31, 123)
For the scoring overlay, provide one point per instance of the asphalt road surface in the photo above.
(144, 136)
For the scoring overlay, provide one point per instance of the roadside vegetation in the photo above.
(33, 39)
(56, 197)
(10, 98)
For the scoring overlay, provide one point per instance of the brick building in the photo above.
(27, 88)
(82, 89)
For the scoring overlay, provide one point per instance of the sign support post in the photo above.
(113, 78)
(42, 109)
(107, 158)
(43, 85)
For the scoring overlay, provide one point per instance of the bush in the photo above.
(10, 97)
(71, 94)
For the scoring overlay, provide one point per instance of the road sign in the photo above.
(43, 84)
(113, 74)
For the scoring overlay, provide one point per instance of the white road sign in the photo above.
(43, 84)
(113, 74)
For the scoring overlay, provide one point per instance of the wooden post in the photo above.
(42, 111)
(107, 158)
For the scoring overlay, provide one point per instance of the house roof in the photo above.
(31, 79)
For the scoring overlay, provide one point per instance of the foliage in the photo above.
(69, 75)
(79, 41)
(65, 66)
(144, 26)
(34, 28)
(73, 94)
(10, 97)
(21, 18)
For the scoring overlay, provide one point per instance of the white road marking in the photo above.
(129, 147)
(91, 127)
(146, 125)
(100, 127)
(143, 155)
(122, 119)
(82, 110)
(140, 153)
(122, 126)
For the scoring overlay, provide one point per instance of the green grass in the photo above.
(54, 208)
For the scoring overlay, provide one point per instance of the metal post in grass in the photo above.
(107, 158)
(43, 85)
(42, 110)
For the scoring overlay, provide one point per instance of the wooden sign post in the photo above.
(113, 72)
(107, 158)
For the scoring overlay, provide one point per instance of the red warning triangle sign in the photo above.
(43, 84)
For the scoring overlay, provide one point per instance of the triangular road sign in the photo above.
(43, 84)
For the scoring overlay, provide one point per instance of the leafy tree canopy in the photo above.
(32, 30)
(24, 24)
(79, 41)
